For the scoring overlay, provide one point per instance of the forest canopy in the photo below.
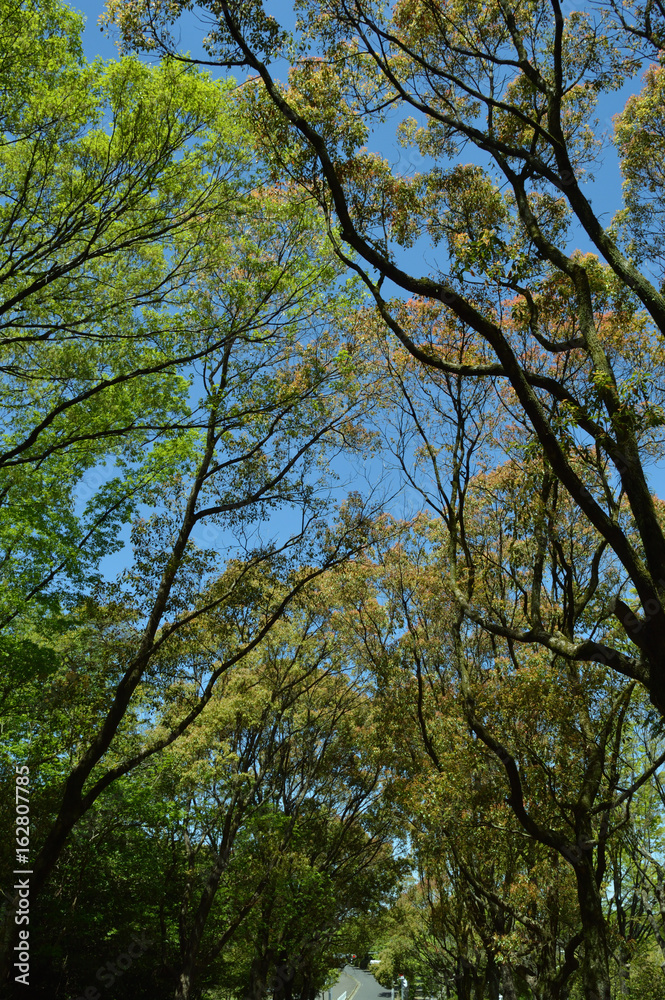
(332, 558)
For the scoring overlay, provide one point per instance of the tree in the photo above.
(131, 634)
(518, 86)
(115, 180)
(169, 315)
(509, 769)
(250, 816)
(635, 910)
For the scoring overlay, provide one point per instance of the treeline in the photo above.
(330, 621)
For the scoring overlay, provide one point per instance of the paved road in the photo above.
(359, 984)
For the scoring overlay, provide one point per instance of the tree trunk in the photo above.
(493, 977)
(258, 978)
(507, 982)
(189, 948)
(183, 988)
(595, 961)
(624, 974)
(463, 982)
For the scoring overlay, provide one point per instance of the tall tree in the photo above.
(519, 86)
(172, 317)
(252, 812)
(115, 179)
(509, 769)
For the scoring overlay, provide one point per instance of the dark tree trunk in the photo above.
(463, 980)
(595, 961)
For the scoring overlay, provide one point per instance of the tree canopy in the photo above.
(547, 288)
(332, 564)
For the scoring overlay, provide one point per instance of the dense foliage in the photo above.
(331, 564)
